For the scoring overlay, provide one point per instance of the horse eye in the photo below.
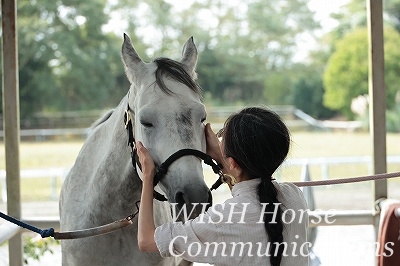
(146, 124)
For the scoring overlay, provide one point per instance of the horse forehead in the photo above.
(171, 108)
(180, 99)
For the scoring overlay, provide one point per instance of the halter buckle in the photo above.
(128, 118)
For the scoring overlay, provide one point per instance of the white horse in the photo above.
(102, 186)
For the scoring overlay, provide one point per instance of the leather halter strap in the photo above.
(160, 173)
(162, 169)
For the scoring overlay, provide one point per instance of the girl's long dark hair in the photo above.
(259, 142)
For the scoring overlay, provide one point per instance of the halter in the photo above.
(160, 173)
(162, 169)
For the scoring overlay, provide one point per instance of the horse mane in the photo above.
(176, 71)
(102, 119)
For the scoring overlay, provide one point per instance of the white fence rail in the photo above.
(353, 217)
(53, 173)
(302, 120)
(324, 162)
(41, 134)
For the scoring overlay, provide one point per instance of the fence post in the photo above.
(325, 171)
(377, 92)
(11, 121)
(3, 186)
(308, 193)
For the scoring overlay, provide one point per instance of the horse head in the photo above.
(166, 106)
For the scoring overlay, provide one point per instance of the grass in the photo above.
(43, 155)
(304, 145)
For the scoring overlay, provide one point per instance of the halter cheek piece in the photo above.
(162, 169)
(160, 173)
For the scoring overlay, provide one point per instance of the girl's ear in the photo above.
(234, 168)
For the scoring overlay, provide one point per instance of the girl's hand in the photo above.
(147, 163)
(213, 144)
(146, 227)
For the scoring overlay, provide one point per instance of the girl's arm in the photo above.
(146, 227)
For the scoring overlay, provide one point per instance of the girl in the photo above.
(264, 223)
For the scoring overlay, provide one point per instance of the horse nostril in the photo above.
(179, 198)
(191, 203)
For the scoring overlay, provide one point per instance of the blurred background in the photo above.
(308, 54)
(307, 60)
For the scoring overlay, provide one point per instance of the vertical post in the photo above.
(377, 94)
(11, 121)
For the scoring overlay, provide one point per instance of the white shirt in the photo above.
(232, 233)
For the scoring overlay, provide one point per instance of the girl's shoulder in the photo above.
(289, 193)
(287, 188)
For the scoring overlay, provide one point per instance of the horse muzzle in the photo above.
(189, 205)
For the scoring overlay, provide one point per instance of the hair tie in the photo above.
(229, 179)
(267, 179)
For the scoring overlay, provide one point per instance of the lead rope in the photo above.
(128, 220)
(95, 231)
(347, 180)
(217, 168)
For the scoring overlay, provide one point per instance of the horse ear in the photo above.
(134, 66)
(189, 56)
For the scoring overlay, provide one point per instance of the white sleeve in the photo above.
(188, 240)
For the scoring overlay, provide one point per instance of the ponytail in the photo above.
(259, 141)
(267, 193)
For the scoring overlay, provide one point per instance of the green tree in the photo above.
(66, 61)
(346, 75)
(242, 47)
(308, 93)
(353, 15)
(392, 11)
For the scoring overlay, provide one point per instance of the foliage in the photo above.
(308, 94)
(346, 75)
(243, 45)
(35, 248)
(66, 61)
(82, 59)
(69, 62)
(351, 18)
(392, 13)
(252, 65)
(354, 15)
(393, 119)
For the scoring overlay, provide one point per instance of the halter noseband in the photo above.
(162, 169)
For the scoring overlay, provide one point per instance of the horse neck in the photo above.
(115, 166)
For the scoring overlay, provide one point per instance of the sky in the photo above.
(323, 8)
